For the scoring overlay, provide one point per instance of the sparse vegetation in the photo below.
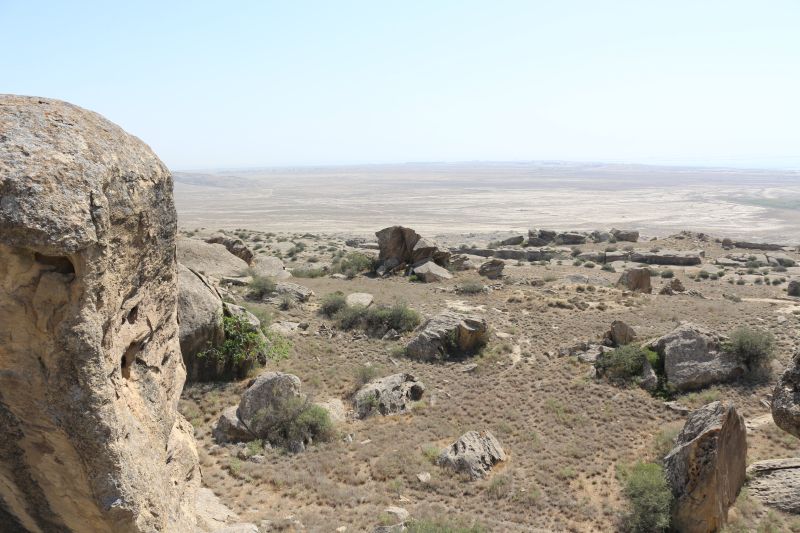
(333, 303)
(379, 318)
(261, 286)
(352, 264)
(753, 347)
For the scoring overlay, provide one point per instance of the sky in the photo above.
(253, 84)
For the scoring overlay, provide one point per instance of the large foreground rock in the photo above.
(786, 399)
(388, 396)
(90, 363)
(399, 246)
(474, 454)
(449, 334)
(776, 483)
(694, 358)
(706, 468)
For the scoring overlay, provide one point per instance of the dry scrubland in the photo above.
(566, 433)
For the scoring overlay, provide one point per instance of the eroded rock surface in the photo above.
(90, 362)
(401, 246)
(776, 483)
(474, 454)
(786, 399)
(636, 280)
(706, 468)
(448, 334)
(388, 396)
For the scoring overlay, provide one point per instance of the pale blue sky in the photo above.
(243, 84)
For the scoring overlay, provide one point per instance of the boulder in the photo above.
(757, 246)
(667, 257)
(649, 379)
(209, 259)
(706, 468)
(293, 291)
(90, 364)
(636, 280)
(363, 299)
(230, 429)
(449, 334)
(516, 240)
(270, 267)
(388, 396)
(540, 237)
(619, 334)
(776, 483)
(694, 358)
(569, 238)
(786, 399)
(234, 245)
(600, 236)
(492, 269)
(266, 401)
(404, 246)
(430, 272)
(793, 289)
(474, 454)
(624, 235)
(462, 262)
(672, 286)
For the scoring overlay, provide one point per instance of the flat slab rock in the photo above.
(363, 299)
(776, 483)
(474, 454)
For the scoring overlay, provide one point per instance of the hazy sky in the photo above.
(241, 84)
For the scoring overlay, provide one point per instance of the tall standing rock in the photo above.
(90, 366)
(706, 468)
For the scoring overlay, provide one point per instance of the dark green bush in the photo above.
(667, 273)
(333, 303)
(298, 420)
(649, 498)
(240, 351)
(623, 363)
(753, 347)
(398, 317)
(261, 286)
(471, 287)
(349, 317)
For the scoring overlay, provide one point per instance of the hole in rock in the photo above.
(59, 264)
(128, 358)
(133, 314)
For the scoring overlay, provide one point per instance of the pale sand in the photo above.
(480, 198)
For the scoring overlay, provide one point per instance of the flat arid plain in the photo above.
(449, 199)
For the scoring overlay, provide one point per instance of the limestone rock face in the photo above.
(90, 363)
(199, 317)
(694, 358)
(706, 468)
(636, 280)
(448, 334)
(786, 399)
(209, 259)
(474, 453)
(387, 396)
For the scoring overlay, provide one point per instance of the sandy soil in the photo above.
(449, 199)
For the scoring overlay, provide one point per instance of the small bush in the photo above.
(588, 264)
(241, 349)
(441, 526)
(261, 286)
(349, 317)
(471, 287)
(623, 363)
(352, 264)
(753, 347)
(298, 420)
(607, 268)
(279, 347)
(364, 374)
(667, 273)
(332, 304)
(649, 498)
(308, 272)
(398, 317)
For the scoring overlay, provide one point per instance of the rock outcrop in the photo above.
(776, 483)
(90, 363)
(199, 316)
(474, 454)
(234, 245)
(793, 289)
(694, 358)
(786, 399)
(209, 259)
(706, 468)
(492, 269)
(667, 257)
(388, 396)
(263, 403)
(625, 235)
(400, 247)
(636, 280)
(619, 334)
(447, 335)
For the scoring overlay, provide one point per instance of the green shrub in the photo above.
(441, 526)
(667, 273)
(333, 303)
(241, 349)
(364, 374)
(298, 420)
(260, 286)
(398, 317)
(308, 272)
(607, 268)
(753, 347)
(649, 498)
(352, 264)
(471, 287)
(588, 264)
(279, 347)
(623, 363)
(349, 317)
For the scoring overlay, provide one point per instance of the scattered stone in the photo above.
(569, 238)
(364, 299)
(706, 468)
(636, 280)
(513, 241)
(793, 289)
(398, 513)
(694, 358)
(430, 272)
(667, 257)
(388, 396)
(296, 293)
(474, 454)
(677, 407)
(284, 327)
(492, 269)
(776, 483)
(448, 334)
(234, 245)
(625, 235)
(672, 286)
(424, 477)
(619, 334)
(540, 237)
(461, 262)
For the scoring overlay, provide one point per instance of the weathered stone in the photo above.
(230, 429)
(462, 262)
(430, 272)
(648, 380)
(706, 468)
(672, 286)
(388, 396)
(405, 246)
(636, 280)
(694, 358)
(270, 267)
(513, 241)
(619, 334)
(449, 334)
(793, 289)
(776, 483)
(570, 238)
(625, 235)
(293, 291)
(492, 269)
(474, 454)
(200, 320)
(786, 399)
(540, 237)
(209, 259)
(266, 399)
(667, 257)
(90, 365)
(757, 245)
(363, 299)
(234, 245)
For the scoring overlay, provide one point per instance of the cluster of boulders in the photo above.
(542, 237)
(403, 250)
(388, 396)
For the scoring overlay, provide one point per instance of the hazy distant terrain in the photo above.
(486, 197)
